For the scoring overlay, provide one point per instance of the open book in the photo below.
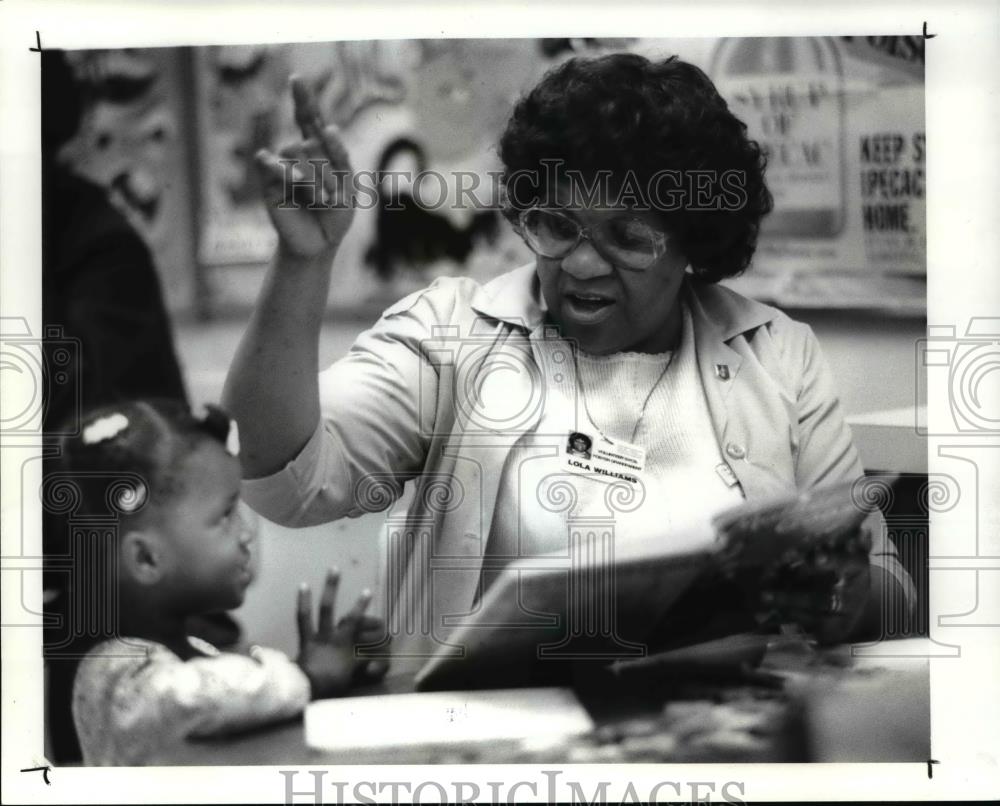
(544, 616)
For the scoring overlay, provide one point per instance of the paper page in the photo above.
(448, 717)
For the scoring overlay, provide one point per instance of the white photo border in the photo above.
(963, 134)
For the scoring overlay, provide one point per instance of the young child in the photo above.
(182, 549)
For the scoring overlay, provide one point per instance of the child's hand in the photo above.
(326, 654)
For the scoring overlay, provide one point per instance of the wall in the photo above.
(872, 357)
(171, 132)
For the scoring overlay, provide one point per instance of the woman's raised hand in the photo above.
(327, 652)
(308, 185)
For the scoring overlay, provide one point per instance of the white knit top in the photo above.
(539, 501)
(615, 388)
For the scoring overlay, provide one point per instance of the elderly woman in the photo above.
(638, 190)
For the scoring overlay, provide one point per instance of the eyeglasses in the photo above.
(626, 242)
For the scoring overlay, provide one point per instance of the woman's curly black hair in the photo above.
(626, 114)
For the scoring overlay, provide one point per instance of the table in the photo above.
(889, 440)
(800, 704)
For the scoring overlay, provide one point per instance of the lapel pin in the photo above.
(722, 371)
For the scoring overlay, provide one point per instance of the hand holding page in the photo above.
(596, 604)
(802, 560)
(545, 612)
(755, 536)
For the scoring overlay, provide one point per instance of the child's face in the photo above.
(206, 538)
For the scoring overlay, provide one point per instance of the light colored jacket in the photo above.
(440, 388)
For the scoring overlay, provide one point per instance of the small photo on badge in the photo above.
(579, 445)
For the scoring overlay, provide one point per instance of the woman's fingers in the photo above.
(825, 595)
(811, 608)
(314, 171)
(319, 183)
(307, 115)
(303, 615)
(801, 607)
(334, 148)
(304, 174)
(308, 186)
(334, 185)
(314, 129)
(310, 122)
(292, 151)
(272, 175)
(284, 184)
(292, 201)
(327, 602)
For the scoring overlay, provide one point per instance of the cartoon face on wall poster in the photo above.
(125, 132)
(130, 142)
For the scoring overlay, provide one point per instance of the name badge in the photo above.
(594, 455)
(726, 474)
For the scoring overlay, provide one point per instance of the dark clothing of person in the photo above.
(101, 288)
(102, 302)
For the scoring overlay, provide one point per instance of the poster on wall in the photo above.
(841, 120)
(420, 119)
